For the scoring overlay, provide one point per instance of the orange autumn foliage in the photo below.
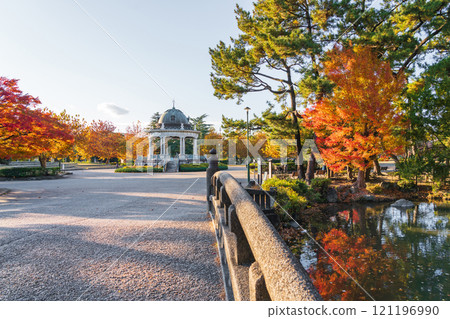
(213, 140)
(25, 130)
(359, 121)
(104, 142)
(138, 140)
(79, 130)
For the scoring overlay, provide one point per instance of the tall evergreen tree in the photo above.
(401, 31)
(154, 120)
(200, 125)
(238, 128)
(277, 52)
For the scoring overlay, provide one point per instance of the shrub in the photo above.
(440, 172)
(298, 186)
(138, 169)
(320, 186)
(315, 197)
(264, 167)
(14, 172)
(290, 201)
(200, 167)
(411, 168)
(276, 182)
(193, 167)
(407, 186)
(374, 188)
(436, 187)
(290, 196)
(290, 166)
(4, 161)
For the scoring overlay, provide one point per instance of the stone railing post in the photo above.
(212, 169)
(257, 285)
(243, 251)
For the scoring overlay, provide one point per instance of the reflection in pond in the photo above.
(394, 254)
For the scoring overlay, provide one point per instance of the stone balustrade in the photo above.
(258, 265)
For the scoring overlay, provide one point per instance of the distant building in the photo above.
(172, 124)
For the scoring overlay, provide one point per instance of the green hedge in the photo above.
(183, 168)
(316, 193)
(138, 169)
(199, 167)
(291, 166)
(14, 172)
(298, 186)
(290, 201)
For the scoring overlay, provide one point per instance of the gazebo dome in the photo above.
(173, 116)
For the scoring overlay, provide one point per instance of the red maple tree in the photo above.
(104, 142)
(25, 130)
(359, 121)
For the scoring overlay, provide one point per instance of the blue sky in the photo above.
(60, 55)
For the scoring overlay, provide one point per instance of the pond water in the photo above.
(392, 254)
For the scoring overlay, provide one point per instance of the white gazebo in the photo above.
(172, 124)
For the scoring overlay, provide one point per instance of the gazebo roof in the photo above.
(173, 116)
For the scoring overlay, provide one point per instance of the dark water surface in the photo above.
(392, 254)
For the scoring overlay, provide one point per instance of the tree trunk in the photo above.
(446, 164)
(349, 173)
(377, 167)
(300, 170)
(361, 179)
(367, 173)
(43, 160)
(310, 169)
(395, 158)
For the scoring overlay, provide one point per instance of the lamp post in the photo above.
(248, 136)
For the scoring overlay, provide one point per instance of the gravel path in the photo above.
(97, 235)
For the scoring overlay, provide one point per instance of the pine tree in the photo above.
(401, 32)
(199, 123)
(279, 46)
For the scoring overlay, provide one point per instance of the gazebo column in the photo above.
(195, 152)
(150, 149)
(166, 146)
(162, 143)
(182, 146)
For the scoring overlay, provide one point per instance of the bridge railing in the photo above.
(258, 263)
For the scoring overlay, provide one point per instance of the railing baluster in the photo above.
(243, 252)
(257, 284)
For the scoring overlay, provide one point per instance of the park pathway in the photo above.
(99, 235)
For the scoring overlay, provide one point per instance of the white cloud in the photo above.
(112, 109)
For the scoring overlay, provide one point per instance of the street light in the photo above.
(248, 161)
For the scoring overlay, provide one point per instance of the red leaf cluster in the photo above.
(359, 121)
(25, 130)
